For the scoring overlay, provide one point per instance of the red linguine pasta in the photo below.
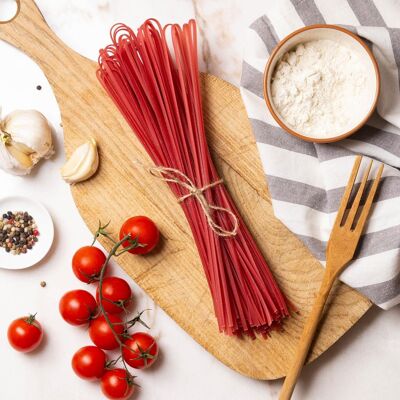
(156, 87)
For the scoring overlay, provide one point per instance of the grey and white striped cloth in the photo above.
(307, 180)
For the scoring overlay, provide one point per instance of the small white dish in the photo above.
(44, 225)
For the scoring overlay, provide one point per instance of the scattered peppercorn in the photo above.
(43, 284)
(18, 232)
(38, 87)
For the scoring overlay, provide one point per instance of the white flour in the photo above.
(320, 88)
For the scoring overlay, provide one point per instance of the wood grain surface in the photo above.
(173, 276)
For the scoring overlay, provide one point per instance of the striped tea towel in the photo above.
(307, 180)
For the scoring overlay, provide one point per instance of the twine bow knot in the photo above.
(175, 176)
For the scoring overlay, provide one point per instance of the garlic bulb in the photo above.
(82, 164)
(25, 138)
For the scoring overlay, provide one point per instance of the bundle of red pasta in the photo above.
(157, 89)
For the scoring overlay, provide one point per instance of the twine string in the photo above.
(173, 175)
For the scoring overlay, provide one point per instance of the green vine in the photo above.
(133, 243)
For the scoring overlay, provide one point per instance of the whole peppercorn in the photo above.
(18, 232)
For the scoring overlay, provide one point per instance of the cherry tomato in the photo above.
(140, 350)
(144, 230)
(116, 294)
(117, 384)
(102, 335)
(25, 334)
(87, 263)
(89, 362)
(77, 307)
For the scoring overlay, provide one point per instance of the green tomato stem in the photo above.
(114, 252)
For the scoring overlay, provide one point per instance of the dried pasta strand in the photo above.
(157, 89)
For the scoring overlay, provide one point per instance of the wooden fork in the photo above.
(340, 250)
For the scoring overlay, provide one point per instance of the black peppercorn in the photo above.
(18, 232)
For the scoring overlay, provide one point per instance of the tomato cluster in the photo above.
(106, 314)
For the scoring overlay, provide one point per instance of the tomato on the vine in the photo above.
(101, 333)
(25, 334)
(87, 263)
(77, 307)
(117, 384)
(89, 362)
(142, 229)
(140, 350)
(116, 294)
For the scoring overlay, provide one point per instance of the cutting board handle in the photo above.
(70, 75)
(29, 32)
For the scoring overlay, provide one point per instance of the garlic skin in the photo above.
(8, 162)
(82, 164)
(25, 138)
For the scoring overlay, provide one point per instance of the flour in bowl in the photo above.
(320, 88)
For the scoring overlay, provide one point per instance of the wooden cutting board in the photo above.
(173, 276)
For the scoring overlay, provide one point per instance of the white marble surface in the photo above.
(363, 365)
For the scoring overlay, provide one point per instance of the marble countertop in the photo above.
(362, 365)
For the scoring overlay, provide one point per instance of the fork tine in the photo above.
(368, 203)
(357, 199)
(347, 192)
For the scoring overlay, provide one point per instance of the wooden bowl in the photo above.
(344, 37)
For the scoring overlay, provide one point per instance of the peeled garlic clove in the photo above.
(82, 164)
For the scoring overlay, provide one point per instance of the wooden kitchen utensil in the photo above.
(340, 251)
(173, 276)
